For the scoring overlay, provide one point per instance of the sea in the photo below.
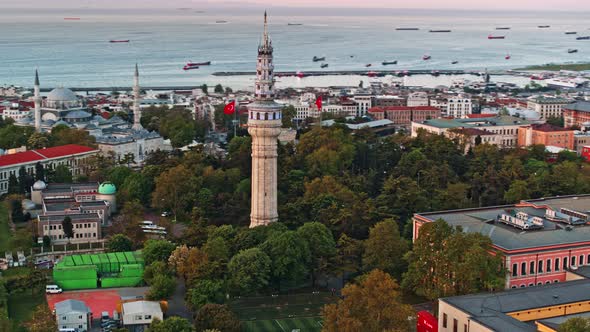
(78, 53)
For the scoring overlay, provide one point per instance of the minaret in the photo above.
(37, 99)
(136, 100)
(264, 125)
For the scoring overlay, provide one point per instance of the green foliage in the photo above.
(61, 174)
(204, 291)
(119, 243)
(575, 324)
(157, 250)
(321, 244)
(12, 136)
(176, 324)
(218, 89)
(290, 258)
(249, 271)
(216, 317)
(161, 287)
(384, 249)
(117, 175)
(68, 227)
(157, 268)
(175, 124)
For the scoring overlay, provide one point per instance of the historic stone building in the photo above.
(264, 125)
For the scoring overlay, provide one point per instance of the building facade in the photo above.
(73, 314)
(264, 125)
(547, 135)
(418, 99)
(404, 115)
(75, 157)
(548, 107)
(576, 114)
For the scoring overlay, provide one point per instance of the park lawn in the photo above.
(4, 228)
(22, 305)
(303, 324)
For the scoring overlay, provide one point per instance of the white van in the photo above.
(53, 289)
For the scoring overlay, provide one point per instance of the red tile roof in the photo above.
(547, 128)
(42, 154)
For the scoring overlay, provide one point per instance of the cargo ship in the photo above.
(316, 59)
(206, 63)
(119, 41)
(543, 26)
(571, 33)
(572, 50)
(188, 67)
(583, 38)
(503, 28)
(455, 62)
(496, 37)
(385, 63)
(439, 31)
(407, 29)
(324, 65)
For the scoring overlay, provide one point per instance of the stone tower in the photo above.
(37, 99)
(264, 125)
(136, 100)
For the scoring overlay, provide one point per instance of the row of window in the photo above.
(140, 317)
(538, 284)
(445, 319)
(556, 265)
(265, 115)
(84, 235)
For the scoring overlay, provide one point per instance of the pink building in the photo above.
(541, 239)
(404, 115)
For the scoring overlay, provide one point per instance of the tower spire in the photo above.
(37, 100)
(136, 101)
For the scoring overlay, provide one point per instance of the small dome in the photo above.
(78, 115)
(39, 185)
(60, 122)
(62, 94)
(107, 188)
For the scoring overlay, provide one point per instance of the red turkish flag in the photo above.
(230, 108)
(318, 103)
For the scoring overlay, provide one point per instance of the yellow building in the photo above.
(539, 308)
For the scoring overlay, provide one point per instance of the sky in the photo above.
(532, 5)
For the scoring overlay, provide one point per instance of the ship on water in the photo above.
(189, 67)
(543, 26)
(571, 33)
(206, 63)
(119, 41)
(407, 29)
(317, 59)
(496, 37)
(294, 24)
(324, 65)
(385, 63)
(502, 28)
(439, 31)
(583, 38)
(455, 62)
(572, 50)
(426, 57)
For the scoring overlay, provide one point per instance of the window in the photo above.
(523, 268)
(557, 264)
(148, 317)
(573, 260)
(548, 265)
(514, 270)
(138, 317)
(464, 327)
(444, 320)
(455, 325)
(80, 317)
(581, 262)
(540, 270)
(64, 318)
(532, 268)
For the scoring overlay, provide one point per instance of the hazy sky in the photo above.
(564, 5)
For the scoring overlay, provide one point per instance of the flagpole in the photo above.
(235, 117)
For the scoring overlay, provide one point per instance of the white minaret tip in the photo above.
(36, 77)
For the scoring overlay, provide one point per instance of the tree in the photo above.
(446, 262)
(42, 320)
(575, 324)
(13, 185)
(249, 271)
(205, 89)
(374, 304)
(176, 324)
(136, 186)
(61, 174)
(348, 256)
(173, 190)
(117, 175)
(157, 268)
(288, 113)
(39, 172)
(321, 246)
(218, 89)
(384, 249)
(68, 227)
(119, 242)
(161, 288)
(289, 257)
(157, 250)
(518, 191)
(190, 263)
(204, 291)
(218, 317)
(38, 141)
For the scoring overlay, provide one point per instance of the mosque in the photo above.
(63, 107)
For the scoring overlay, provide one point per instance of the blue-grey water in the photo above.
(77, 53)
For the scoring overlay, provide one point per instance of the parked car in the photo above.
(53, 289)
(167, 214)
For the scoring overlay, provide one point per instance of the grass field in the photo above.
(556, 67)
(302, 324)
(283, 312)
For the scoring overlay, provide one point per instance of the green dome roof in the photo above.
(107, 188)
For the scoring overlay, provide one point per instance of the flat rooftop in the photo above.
(484, 221)
(491, 309)
(491, 121)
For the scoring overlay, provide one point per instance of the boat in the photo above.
(507, 57)
(407, 29)
(316, 59)
(439, 31)
(71, 18)
(324, 65)
(455, 62)
(368, 65)
(371, 74)
(503, 28)
(583, 38)
(206, 63)
(571, 33)
(385, 63)
(220, 22)
(537, 77)
(496, 37)
(300, 74)
(572, 50)
(566, 82)
(187, 67)
(426, 57)
(435, 73)
(119, 41)
(294, 24)
(543, 26)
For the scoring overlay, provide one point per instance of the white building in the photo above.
(73, 314)
(14, 111)
(141, 313)
(73, 156)
(417, 99)
(364, 101)
(548, 107)
(458, 106)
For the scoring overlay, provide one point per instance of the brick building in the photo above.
(404, 115)
(576, 114)
(546, 134)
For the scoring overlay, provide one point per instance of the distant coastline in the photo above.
(557, 67)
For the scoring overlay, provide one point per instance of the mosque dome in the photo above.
(62, 94)
(78, 115)
(107, 188)
(60, 122)
(39, 185)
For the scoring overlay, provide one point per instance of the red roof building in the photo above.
(404, 115)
